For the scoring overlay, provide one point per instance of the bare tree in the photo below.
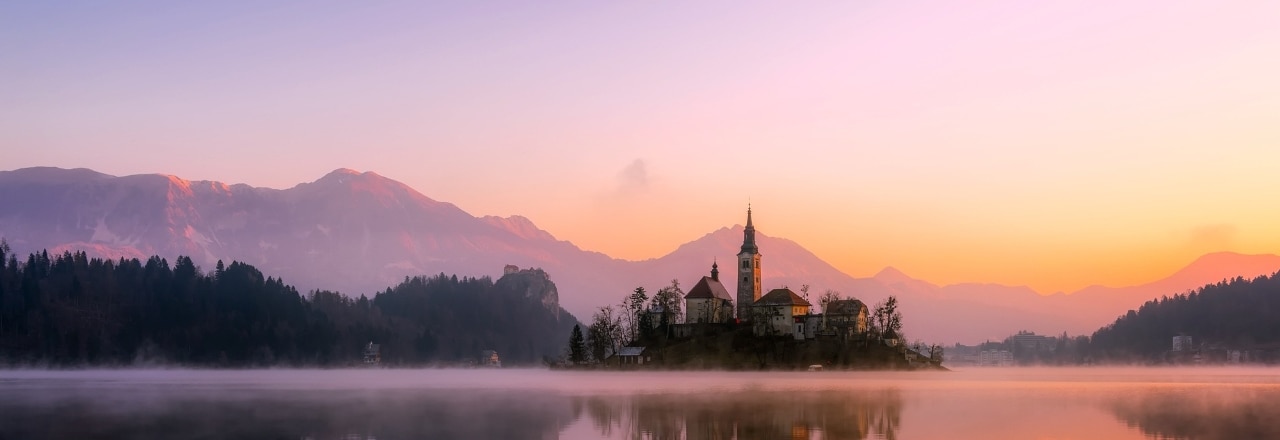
(604, 336)
(763, 318)
(886, 319)
(669, 299)
(633, 305)
(828, 297)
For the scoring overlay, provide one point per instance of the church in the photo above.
(780, 312)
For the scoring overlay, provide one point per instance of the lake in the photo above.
(1014, 403)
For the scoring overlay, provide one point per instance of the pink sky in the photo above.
(1051, 145)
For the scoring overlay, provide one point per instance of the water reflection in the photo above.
(279, 414)
(492, 404)
(828, 415)
(1203, 412)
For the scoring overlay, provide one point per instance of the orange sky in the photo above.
(1048, 145)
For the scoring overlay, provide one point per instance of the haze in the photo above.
(1068, 403)
(1049, 145)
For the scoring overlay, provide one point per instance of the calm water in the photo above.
(1093, 403)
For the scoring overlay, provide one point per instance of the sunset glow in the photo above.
(1055, 146)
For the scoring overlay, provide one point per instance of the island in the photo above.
(707, 328)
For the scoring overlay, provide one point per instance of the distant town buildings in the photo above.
(995, 358)
(1029, 342)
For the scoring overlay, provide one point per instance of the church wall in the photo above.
(773, 321)
(712, 310)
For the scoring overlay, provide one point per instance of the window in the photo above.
(744, 279)
(746, 264)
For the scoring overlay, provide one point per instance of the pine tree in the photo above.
(577, 346)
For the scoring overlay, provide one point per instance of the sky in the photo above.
(1049, 144)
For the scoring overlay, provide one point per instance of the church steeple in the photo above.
(715, 271)
(748, 270)
(749, 235)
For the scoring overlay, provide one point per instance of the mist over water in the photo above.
(1088, 403)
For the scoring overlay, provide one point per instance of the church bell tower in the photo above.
(748, 270)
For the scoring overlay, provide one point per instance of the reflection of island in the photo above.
(1203, 414)
(285, 414)
(748, 415)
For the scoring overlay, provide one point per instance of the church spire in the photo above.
(748, 270)
(749, 235)
(715, 270)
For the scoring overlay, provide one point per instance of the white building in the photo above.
(1181, 343)
(995, 358)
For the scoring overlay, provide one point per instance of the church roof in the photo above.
(631, 351)
(844, 307)
(708, 288)
(781, 297)
(749, 236)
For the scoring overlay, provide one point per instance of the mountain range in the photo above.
(359, 232)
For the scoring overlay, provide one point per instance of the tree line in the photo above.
(68, 310)
(1235, 314)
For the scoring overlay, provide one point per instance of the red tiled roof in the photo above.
(845, 307)
(781, 297)
(708, 288)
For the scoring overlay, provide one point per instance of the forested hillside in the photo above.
(69, 310)
(1235, 315)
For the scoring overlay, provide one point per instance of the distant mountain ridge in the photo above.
(359, 232)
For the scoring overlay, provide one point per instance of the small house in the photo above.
(489, 358)
(632, 356)
(372, 354)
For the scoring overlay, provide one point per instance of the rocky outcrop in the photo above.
(534, 284)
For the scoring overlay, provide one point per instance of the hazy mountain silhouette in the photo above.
(361, 232)
(350, 231)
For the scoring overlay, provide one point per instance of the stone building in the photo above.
(845, 317)
(708, 301)
(780, 312)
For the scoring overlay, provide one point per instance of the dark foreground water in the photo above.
(1094, 403)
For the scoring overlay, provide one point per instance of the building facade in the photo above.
(780, 312)
(845, 317)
